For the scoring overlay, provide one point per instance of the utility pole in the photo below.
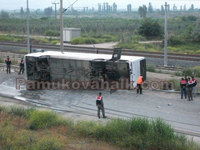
(61, 23)
(166, 36)
(28, 39)
(61, 26)
(55, 11)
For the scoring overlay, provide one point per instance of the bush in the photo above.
(78, 40)
(140, 133)
(86, 128)
(41, 41)
(43, 119)
(150, 28)
(125, 45)
(20, 140)
(197, 73)
(17, 111)
(1, 60)
(52, 33)
(174, 40)
(49, 143)
(109, 37)
(23, 51)
(2, 109)
(138, 38)
(54, 42)
(177, 73)
(176, 84)
(81, 40)
(151, 68)
(190, 71)
(187, 71)
(90, 41)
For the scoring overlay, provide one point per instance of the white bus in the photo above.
(53, 66)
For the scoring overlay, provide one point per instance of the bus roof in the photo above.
(81, 56)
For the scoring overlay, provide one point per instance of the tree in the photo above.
(195, 35)
(4, 15)
(142, 11)
(189, 18)
(22, 11)
(149, 28)
(48, 11)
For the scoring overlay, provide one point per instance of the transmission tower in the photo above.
(55, 11)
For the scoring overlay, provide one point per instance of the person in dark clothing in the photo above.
(139, 84)
(21, 66)
(190, 86)
(183, 87)
(100, 105)
(8, 64)
(186, 79)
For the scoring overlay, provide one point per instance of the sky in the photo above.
(79, 4)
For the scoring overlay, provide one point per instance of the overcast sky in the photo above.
(121, 4)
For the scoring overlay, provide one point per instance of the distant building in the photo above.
(114, 7)
(129, 8)
(99, 7)
(70, 33)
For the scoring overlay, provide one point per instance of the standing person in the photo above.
(139, 84)
(183, 87)
(190, 86)
(8, 64)
(186, 79)
(194, 86)
(21, 66)
(100, 105)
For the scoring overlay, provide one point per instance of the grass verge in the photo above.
(32, 129)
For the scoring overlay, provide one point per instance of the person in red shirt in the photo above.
(183, 83)
(21, 66)
(8, 64)
(100, 105)
(190, 87)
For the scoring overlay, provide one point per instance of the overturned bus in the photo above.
(72, 67)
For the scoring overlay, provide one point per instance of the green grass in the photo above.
(189, 71)
(23, 39)
(1, 60)
(50, 131)
(135, 133)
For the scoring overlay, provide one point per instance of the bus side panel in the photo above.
(53, 69)
(69, 69)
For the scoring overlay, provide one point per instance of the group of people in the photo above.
(8, 65)
(188, 87)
